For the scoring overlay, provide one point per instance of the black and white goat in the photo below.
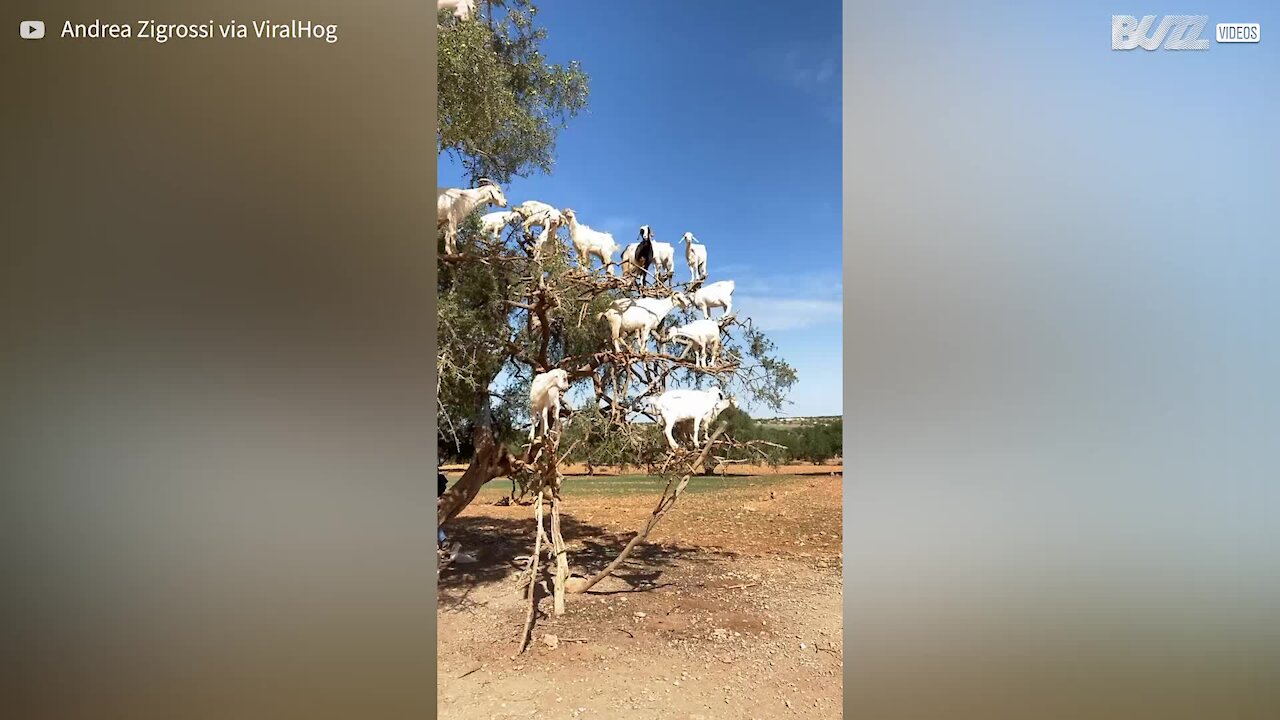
(638, 256)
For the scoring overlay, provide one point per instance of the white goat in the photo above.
(533, 207)
(462, 9)
(534, 212)
(717, 294)
(545, 393)
(703, 334)
(696, 255)
(590, 243)
(550, 219)
(495, 222)
(629, 265)
(453, 205)
(550, 222)
(674, 406)
(639, 315)
(664, 260)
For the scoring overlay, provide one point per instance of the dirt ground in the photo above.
(733, 610)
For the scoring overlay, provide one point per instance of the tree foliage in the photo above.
(816, 441)
(500, 101)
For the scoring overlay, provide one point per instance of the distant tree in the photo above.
(739, 424)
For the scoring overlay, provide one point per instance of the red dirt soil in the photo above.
(732, 610)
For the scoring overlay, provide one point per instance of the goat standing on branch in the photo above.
(696, 255)
(702, 334)
(664, 261)
(590, 243)
(534, 212)
(699, 406)
(545, 393)
(638, 256)
(453, 205)
(717, 294)
(492, 224)
(639, 315)
(540, 215)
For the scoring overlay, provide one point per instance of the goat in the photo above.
(696, 256)
(534, 212)
(638, 256)
(545, 393)
(495, 222)
(589, 243)
(640, 315)
(704, 334)
(717, 294)
(530, 207)
(462, 9)
(453, 205)
(549, 221)
(664, 260)
(661, 255)
(674, 406)
(628, 263)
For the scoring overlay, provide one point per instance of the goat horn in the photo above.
(484, 181)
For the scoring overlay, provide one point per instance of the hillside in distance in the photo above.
(797, 421)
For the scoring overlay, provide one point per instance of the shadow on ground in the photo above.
(497, 542)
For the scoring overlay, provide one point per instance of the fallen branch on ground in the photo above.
(665, 503)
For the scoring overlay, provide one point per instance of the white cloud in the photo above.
(822, 285)
(825, 71)
(810, 70)
(772, 314)
(804, 68)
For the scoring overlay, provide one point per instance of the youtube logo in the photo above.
(31, 29)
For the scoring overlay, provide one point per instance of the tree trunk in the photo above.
(490, 461)
(562, 562)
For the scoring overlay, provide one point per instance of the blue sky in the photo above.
(721, 119)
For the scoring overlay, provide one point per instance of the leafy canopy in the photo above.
(500, 102)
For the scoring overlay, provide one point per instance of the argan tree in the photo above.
(508, 311)
(500, 105)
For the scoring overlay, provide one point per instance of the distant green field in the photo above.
(583, 486)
